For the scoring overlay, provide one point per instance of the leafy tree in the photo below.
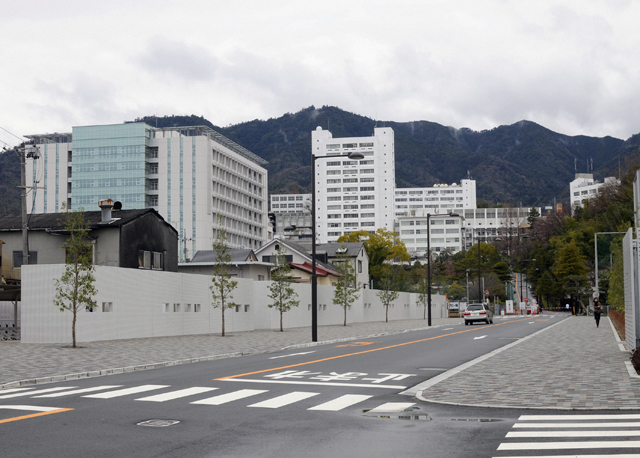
(456, 291)
(533, 216)
(346, 289)
(281, 293)
(423, 295)
(502, 270)
(382, 246)
(222, 284)
(388, 291)
(75, 288)
(570, 268)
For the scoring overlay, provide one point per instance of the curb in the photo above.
(142, 367)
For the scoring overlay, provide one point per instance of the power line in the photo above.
(11, 133)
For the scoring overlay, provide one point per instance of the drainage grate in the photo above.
(476, 419)
(158, 423)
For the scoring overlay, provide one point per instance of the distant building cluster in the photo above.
(200, 181)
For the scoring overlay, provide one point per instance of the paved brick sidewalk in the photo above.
(22, 362)
(573, 365)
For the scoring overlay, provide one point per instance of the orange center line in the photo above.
(33, 415)
(362, 352)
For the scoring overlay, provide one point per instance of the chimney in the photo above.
(106, 205)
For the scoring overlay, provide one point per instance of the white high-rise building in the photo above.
(193, 176)
(353, 195)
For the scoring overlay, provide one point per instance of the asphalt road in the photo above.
(330, 400)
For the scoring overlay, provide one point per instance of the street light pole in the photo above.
(479, 274)
(314, 277)
(428, 269)
(467, 287)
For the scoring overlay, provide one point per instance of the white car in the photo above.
(478, 312)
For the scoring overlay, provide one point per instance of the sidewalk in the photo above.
(572, 365)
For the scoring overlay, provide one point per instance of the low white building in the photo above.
(584, 187)
(438, 199)
(290, 203)
(446, 234)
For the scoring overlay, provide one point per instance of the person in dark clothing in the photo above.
(597, 310)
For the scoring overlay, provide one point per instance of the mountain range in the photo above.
(518, 164)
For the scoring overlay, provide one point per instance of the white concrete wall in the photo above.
(139, 309)
(7, 314)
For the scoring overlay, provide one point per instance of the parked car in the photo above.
(478, 312)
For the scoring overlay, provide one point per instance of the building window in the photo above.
(359, 266)
(17, 258)
(366, 188)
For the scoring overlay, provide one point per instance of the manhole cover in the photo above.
(158, 423)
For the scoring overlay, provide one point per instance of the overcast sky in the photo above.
(572, 66)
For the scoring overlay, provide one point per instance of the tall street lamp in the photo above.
(429, 265)
(314, 278)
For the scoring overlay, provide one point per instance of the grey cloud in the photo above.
(177, 59)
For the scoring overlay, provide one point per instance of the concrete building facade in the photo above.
(193, 176)
(584, 187)
(353, 195)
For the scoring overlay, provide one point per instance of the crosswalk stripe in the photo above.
(393, 407)
(233, 396)
(125, 391)
(623, 424)
(177, 394)
(567, 445)
(82, 390)
(29, 393)
(34, 408)
(284, 400)
(574, 434)
(578, 417)
(341, 402)
(608, 455)
(14, 390)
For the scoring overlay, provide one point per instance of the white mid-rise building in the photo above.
(290, 203)
(584, 187)
(196, 178)
(353, 195)
(438, 199)
(446, 234)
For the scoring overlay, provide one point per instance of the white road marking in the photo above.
(177, 394)
(568, 445)
(224, 398)
(628, 424)
(82, 390)
(284, 400)
(29, 393)
(32, 408)
(341, 402)
(292, 354)
(125, 392)
(624, 455)
(393, 407)
(481, 337)
(14, 390)
(574, 433)
(299, 382)
(579, 417)
(447, 329)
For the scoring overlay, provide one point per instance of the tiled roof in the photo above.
(237, 255)
(320, 270)
(55, 221)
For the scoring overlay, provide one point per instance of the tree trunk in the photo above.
(222, 318)
(386, 314)
(73, 325)
(281, 330)
(345, 315)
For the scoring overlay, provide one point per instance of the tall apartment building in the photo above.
(290, 203)
(193, 176)
(438, 199)
(353, 195)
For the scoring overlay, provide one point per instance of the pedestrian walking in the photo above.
(597, 310)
